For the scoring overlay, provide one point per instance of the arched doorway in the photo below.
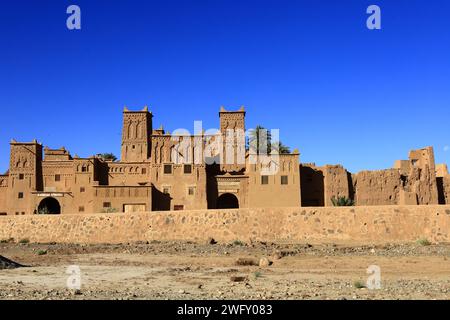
(227, 201)
(49, 206)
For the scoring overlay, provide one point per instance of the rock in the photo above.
(211, 241)
(181, 291)
(238, 278)
(264, 262)
(277, 255)
(8, 264)
(246, 262)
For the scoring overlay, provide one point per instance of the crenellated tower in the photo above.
(136, 131)
(232, 128)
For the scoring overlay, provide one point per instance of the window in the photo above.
(284, 179)
(21, 176)
(81, 209)
(187, 168)
(264, 179)
(178, 207)
(57, 177)
(166, 190)
(191, 191)
(83, 169)
(133, 146)
(82, 189)
(144, 170)
(20, 195)
(167, 169)
(106, 204)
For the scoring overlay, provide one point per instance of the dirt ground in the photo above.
(183, 270)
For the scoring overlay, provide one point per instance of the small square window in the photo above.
(187, 168)
(57, 177)
(144, 170)
(191, 191)
(264, 179)
(21, 176)
(167, 169)
(106, 204)
(284, 179)
(82, 189)
(81, 209)
(83, 169)
(20, 195)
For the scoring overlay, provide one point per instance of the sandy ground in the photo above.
(176, 270)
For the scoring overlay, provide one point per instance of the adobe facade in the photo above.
(155, 174)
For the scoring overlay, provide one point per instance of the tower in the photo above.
(25, 176)
(232, 128)
(136, 130)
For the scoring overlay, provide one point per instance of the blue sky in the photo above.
(337, 91)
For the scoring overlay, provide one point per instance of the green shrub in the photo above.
(342, 202)
(42, 252)
(359, 284)
(423, 242)
(23, 241)
(238, 243)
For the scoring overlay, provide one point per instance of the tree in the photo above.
(260, 138)
(282, 148)
(108, 156)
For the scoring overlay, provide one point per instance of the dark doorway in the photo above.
(161, 200)
(49, 206)
(440, 187)
(227, 201)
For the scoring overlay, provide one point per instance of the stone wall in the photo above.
(327, 224)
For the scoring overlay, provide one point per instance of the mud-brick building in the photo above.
(154, 174)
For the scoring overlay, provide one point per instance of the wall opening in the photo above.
(49, 206)
(227, 201)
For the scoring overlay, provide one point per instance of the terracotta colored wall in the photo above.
(328, 224)
(275, 194)
(337, 183)
(377, 187)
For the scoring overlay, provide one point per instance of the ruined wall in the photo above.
(328, 224)
(336, 183)
(423, 183)
(377, 187)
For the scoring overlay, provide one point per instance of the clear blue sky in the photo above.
(337, 91)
